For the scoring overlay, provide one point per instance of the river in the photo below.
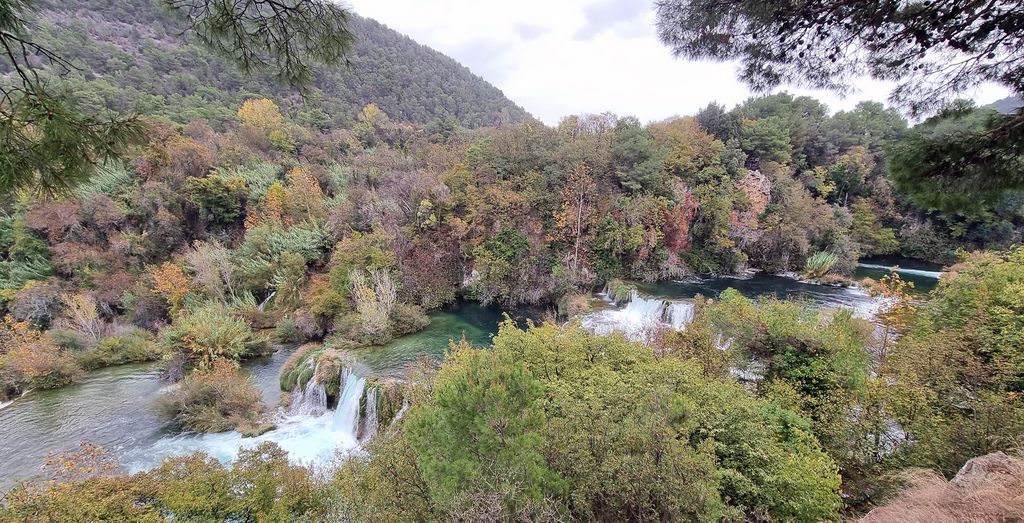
(113, 407)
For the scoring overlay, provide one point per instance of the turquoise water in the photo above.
(113, 407)
(469, 320)
(924, 275)
(756, 286)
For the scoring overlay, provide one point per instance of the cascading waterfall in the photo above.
(369, 428)
(310, 399)
(640, 316)
(901, 270)
(679, 314)
(346, 415)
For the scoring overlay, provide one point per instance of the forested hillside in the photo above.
(131, 57)
(284, 261)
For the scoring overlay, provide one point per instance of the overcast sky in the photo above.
(562, 57)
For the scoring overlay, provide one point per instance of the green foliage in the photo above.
(636, 157)
(122, 72)
(457, 445)
(873, 237)
(820, 264)
(257, 177)
(220, 199)
(215, 399)
(133, 347)
(112, 180)
(821, 356)
(605, 431)
(962, 159)
(498, 262)
(23, 256)
(208, 332)
(261, 485)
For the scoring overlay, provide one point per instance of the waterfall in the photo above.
(369, 428)
(310, 399)
(640, 316)
(679, 314)
(401, 411)
(913, 272)
(346, 415)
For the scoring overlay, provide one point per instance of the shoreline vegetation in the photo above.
(196, 182)
(547, 405)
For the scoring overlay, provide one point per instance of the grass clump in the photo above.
(215, 399)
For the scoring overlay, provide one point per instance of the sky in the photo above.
(562, 57)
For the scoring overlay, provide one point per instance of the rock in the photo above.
(996, 469)
(987, 488)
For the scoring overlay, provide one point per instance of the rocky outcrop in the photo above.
(758, 189)
(987, 488)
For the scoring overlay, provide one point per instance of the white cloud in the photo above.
(562, 57)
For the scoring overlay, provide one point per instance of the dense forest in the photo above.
(129, 56)
(186, 250)
(249, 220)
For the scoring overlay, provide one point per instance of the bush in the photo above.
(407, 319)
(133, 347)
(208, 333)
(37, 303)
(216, 399)
(555, 423)
(261, 485)
(571, 305)
(287, 332)
(29, 360)
(820, 264)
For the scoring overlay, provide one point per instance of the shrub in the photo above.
(261, 485)
(29, 360)
(133, 347)
(599, 429)
(406, 319)
(208, 333)
(820, 264)
(287, 332)
(215, 399)
(37, 303)
(572, 305)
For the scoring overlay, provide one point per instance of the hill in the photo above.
(1007, 105)
(131, 57)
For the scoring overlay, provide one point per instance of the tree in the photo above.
(171, 282)
(213, 269)
(871, 235)
(934, 49)
(635, 156)
(962, 159)
(575, 215)
(48, 144)
(599, 429)
(375, 298)
(282, 37)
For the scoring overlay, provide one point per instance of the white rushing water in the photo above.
(371, 422)
(640, 317)
(309, 399)
(901, 270)
(308, 430)
(346, 416)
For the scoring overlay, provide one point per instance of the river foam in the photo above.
(901, 270)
